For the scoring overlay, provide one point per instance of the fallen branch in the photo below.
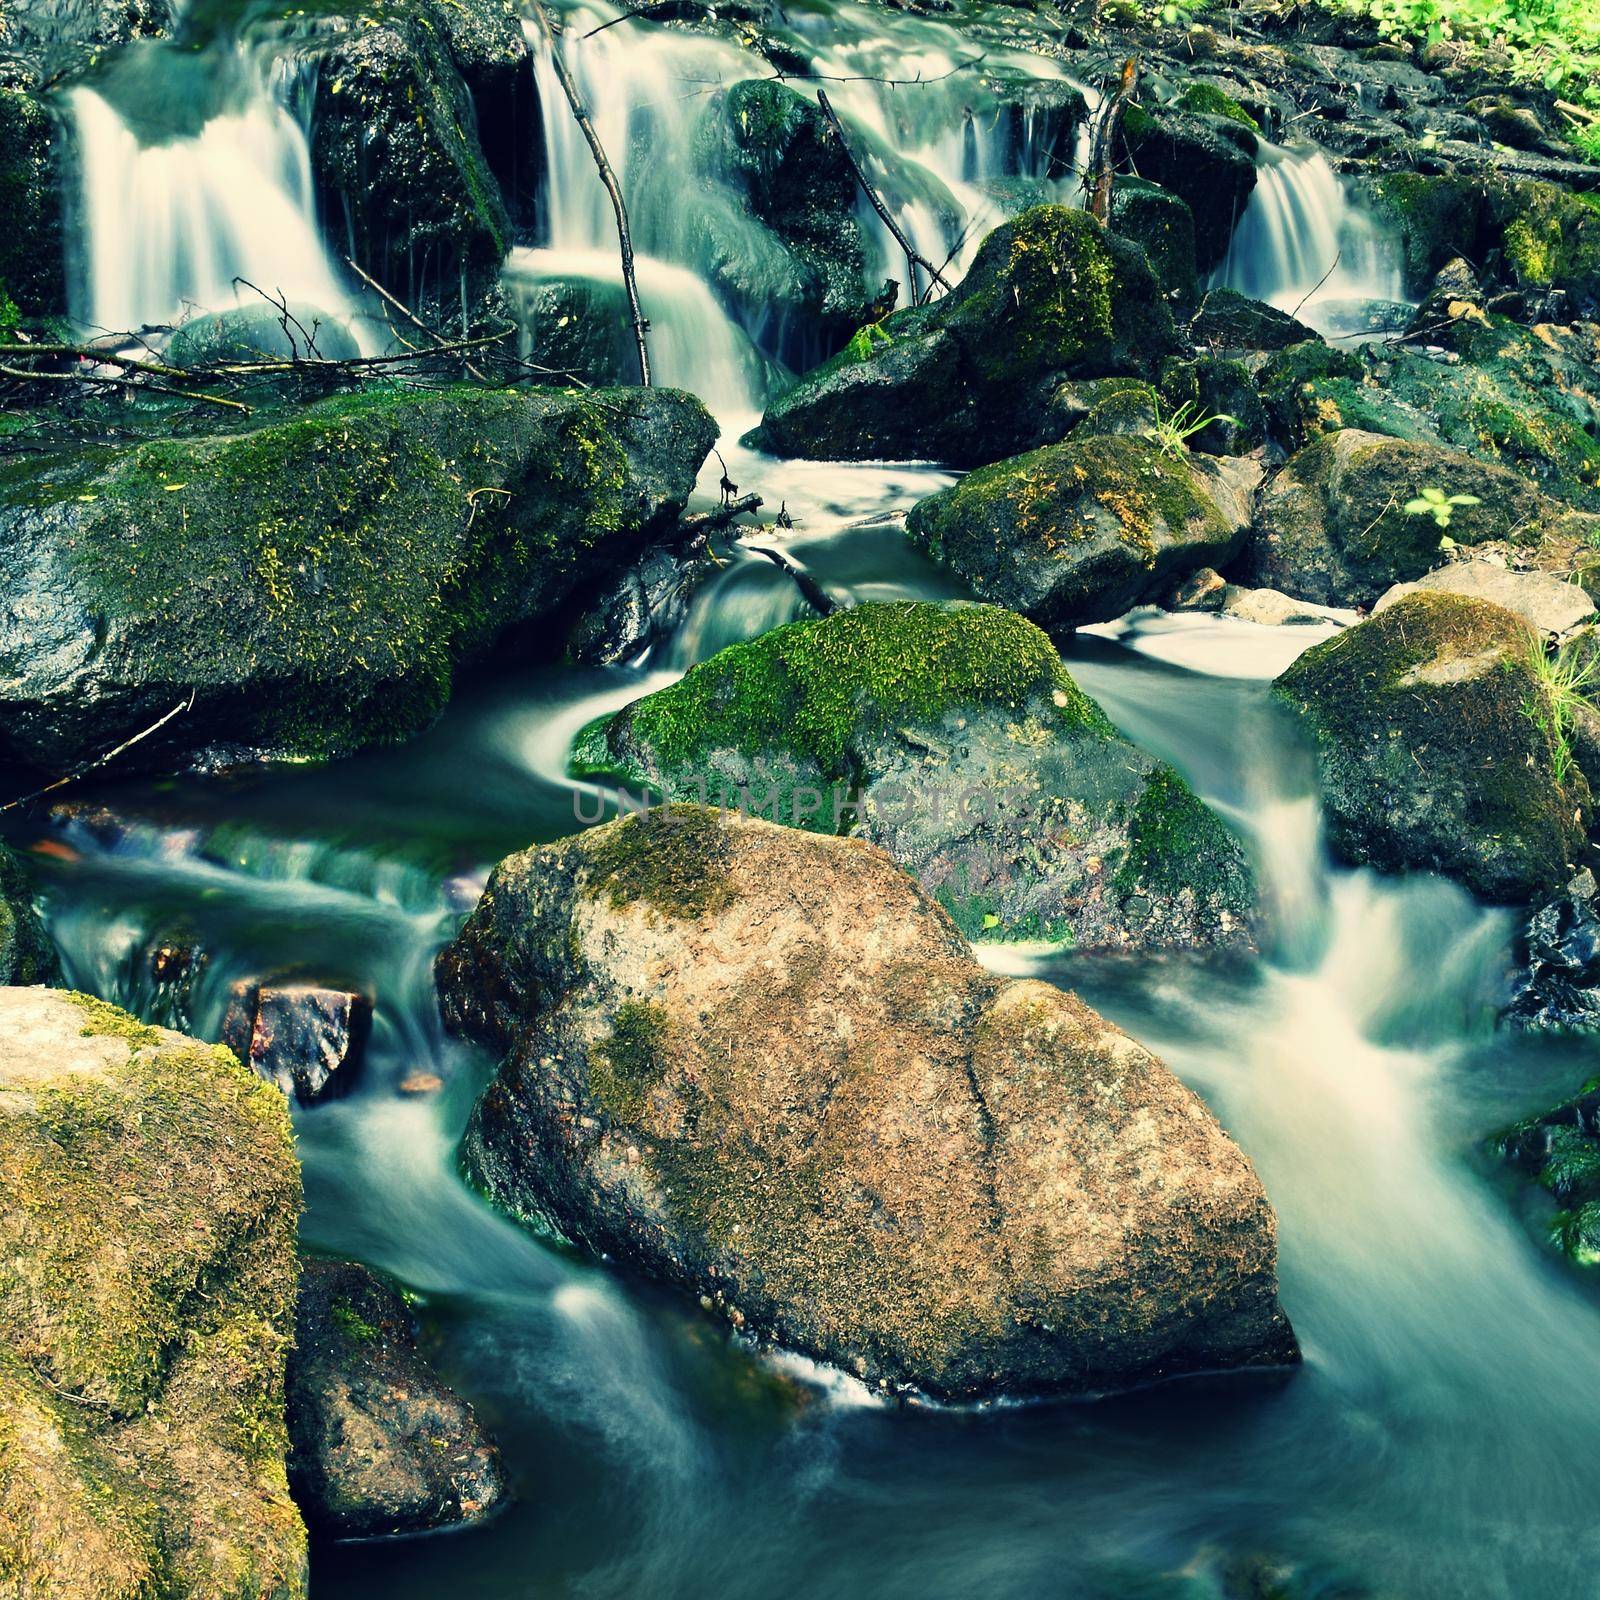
(1318, 284)
(101, 358)
(811, 591)
(406, 312)
(1103, 143)
(913, 258)
(22, 375)
(100, 761)
(703, 522)
(609, 179)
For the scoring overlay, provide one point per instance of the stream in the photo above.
(1431, 1444)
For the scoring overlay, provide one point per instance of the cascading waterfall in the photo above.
(173, 216)
(1305, 247)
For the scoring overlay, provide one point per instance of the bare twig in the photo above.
(811, 591)
(913, 258)
(1318, 284)
(1103, 143)
(702, 522)
(100, 761)
(406, 311)
(613, 188)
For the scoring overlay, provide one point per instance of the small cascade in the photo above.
(173, 215)
(1305, 247)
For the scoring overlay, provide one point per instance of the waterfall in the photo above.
(1303, 246)
(172, 217)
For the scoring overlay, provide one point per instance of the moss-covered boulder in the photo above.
(32, 245)
(762, 1064)
(1334, 525)
(953, 737)
(1207, 160)
(1084, 531)
(261, 333)
(577, 328)
(1441, 748)
(148, 1201)
(26, 954)
(973, 377)
(1527, 398)
(313, 584)
(778, 154)
(377, 1444)
(1162, 225)
(1226, 320)
(398, 161)
(1550, 239)
(1434, 217)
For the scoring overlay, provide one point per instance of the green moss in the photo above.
(816, 689)
(1175, 842)
(1212, 101)
(106, 1020)
(630, 1061)
(353, 1325)
(674, 859)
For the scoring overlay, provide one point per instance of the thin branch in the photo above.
(1318, 284)
(609, 179)
(811, 591)
(704, 521)
(100, 761)
(1103, 143)
(893, 83)
(22, 375)
(406, 311)
(913, 258)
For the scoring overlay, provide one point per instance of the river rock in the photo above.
(1552, 605)
(377, 1444)
(314, 583)
(1438, 747)
(1084, 531)
(794, 243)
(397, 158)
(261, 333)
(1561, 1149)
(1333, 528)
(1228, 320)
(1162, 225)
(304, 1040)
(26, 954)
(32, 241)
(973, 377)
(148, 1202)
(1558, 983)
(762, 1064)
(954, 738)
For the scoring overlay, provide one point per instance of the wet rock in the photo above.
(576, 329)
(26, 954)
(974, 376)
(1552, 605)
(32, 242)
(316, 582)
(1224, 391)
(377, 1444)
(1208, 161)
(146, 1307)
(1201, 590)
(953, 737)
(1561, 1147)
(1438, 747)
(1083, 531)
(1550, 239)
(397, 159)
(1162, 225)
(1558, 983)
(1267, 608)
(261, 333)
(304, 1040)
(1435, 218)
(1333, 525)
(1229, 321)
(53, 40)
(848, 1135)
(780, 157)
(639, 607)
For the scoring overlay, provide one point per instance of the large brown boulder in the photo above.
(763, 1064)
(148, 1202)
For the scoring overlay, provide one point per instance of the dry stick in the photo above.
(609, 179)
(913, 260)
(1103, 143)
(406, 312)
(101, 358)
(100, 761)
(1318, 284)
(704, 521)
(811, 591)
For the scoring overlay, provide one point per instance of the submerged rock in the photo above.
(954, 738)
(973, 377)
(315, 583)
(377, 1444)
(1440, 748)
(304, 1040)
(762, 1064)
(26, 954)
(148, 1201)
(1084, 531)
(1334, 527)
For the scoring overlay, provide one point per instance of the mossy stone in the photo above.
(26, 954)
(32, 242)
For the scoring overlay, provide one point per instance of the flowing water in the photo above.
(1437, 1440)
(1305, 246)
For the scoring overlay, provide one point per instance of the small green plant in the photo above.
(1567, 678)
(1440, 506)
(864, 340)
(1172, 431)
